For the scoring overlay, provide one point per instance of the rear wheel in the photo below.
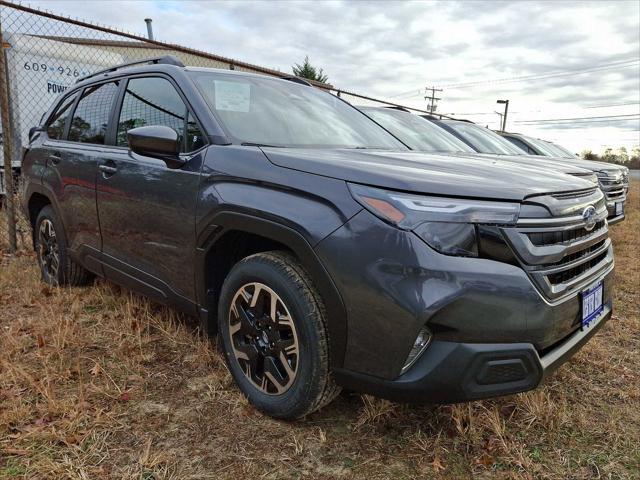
(56, 267)
(271, 325)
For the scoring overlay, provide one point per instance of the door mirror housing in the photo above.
(157, 141)
(33, 131)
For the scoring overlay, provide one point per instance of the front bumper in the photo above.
(451, 372)
(393, 285)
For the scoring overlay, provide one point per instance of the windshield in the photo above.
(416, 132)
(273, 112)
(567, 153)
(484, 140)
(543, 147)
(558, 150)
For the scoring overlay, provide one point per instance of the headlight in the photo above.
(447, 225)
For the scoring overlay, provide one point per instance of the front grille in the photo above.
(575, 272)
(558, 253)
(613, 186)
(562, 236)
(566, 195)
(572, 257)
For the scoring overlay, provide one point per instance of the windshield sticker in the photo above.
(233, 96)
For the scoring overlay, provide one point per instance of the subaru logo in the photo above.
(589, 217)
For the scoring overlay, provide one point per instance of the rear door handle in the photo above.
(107, 169)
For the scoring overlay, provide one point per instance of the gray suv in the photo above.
(320, 250)
(611, 177)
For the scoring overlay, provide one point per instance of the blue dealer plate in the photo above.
(591, 303)
(619, 208)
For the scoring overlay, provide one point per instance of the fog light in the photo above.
(419, 346)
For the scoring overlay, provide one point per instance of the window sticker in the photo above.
(233, 96)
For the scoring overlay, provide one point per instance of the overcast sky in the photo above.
(472, 49)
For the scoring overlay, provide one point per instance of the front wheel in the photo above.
(271, 324)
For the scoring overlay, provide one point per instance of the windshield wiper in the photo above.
(251, 144)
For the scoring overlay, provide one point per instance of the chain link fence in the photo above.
(44, 54)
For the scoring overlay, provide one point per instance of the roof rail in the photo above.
(433, 117)
(394, 107)
(163, 60)
(299, 80)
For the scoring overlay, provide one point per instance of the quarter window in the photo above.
(154, 101)
(89, 122)
(55, 129)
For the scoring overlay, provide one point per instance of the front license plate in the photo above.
(619, 208)
(591, 303)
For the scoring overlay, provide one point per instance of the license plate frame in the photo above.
(591, 304)
(619, 208)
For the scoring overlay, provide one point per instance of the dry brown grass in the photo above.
(99, 383)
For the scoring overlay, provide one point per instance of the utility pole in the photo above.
(7, 130)
(504, 118)
(432, 99)
(501, 115)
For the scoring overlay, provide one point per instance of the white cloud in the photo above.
(383, 49)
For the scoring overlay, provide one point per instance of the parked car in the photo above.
(537, 146)
(610, 177)
(421, 135)
(322, 252)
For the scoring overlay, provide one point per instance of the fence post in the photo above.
(7, 131)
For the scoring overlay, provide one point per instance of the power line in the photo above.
(612, 105)
(413, 92)
(538, 111)
(602, 117)
(540, 76)
(626, 64)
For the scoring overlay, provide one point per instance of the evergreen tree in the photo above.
(306, 70)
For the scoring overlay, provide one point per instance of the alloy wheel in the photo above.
(264, 338)
(48, 249)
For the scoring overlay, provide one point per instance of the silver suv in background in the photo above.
(423, 136)
(537, 146)
(610, 177)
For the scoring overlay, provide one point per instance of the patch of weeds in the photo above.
(12, 470)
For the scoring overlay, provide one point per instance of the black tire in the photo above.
(312, 387)
(68, 272)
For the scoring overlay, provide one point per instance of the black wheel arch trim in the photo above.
(227, 220)
(43, 190)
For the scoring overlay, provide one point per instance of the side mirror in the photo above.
(157, 141)
(33, 131)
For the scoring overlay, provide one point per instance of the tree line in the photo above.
(618, 156)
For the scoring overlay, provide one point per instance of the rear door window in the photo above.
(91, 117)
(55, 128)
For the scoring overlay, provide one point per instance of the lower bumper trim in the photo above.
(450, 372)
(614, 220)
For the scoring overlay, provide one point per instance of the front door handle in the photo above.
(107, 169)
(55, 158)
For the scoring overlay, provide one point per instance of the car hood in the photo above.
(578, 162)
(436, 174)
(557, 164)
